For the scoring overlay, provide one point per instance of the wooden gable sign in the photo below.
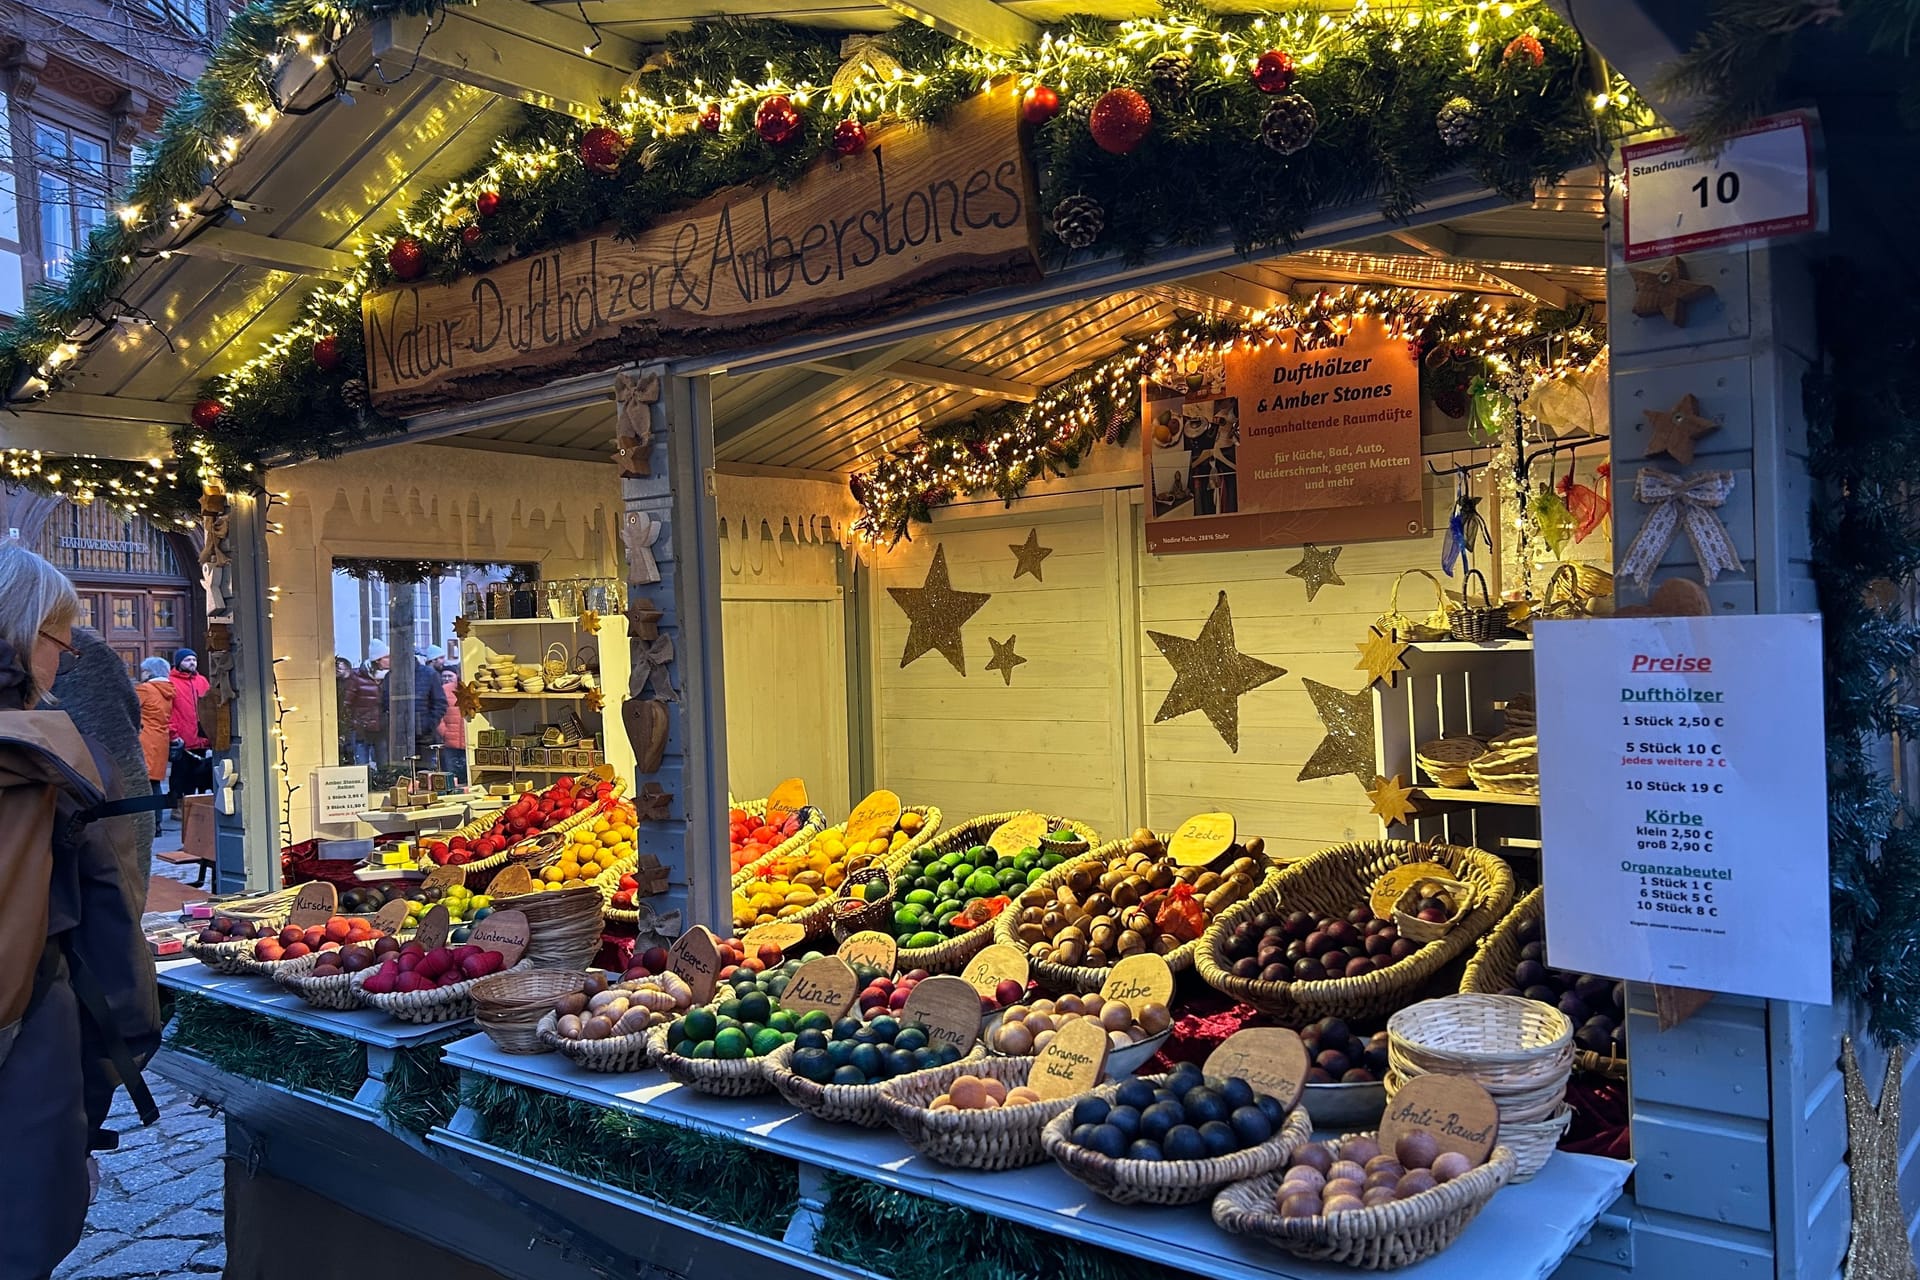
(926, 212)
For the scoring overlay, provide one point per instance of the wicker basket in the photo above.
(1001, 1138)
(231, 958)
(1400, 626)
(835, 1103)
(614, 1055)
(480, 872)
(564, 926)
(1084, 978)
(1476, 623)
(1534, 1141)
(1490, 972)
(1518, 717)
(1170, 1182)
(262, 908)
(1511, 765)
(1444, 760)
(509, 1006)
(812, 823)
(1381, 1238)
(721, 1077)
(815, 919)
(441, 1004)
(1518, 1050)
(847, 915)
(951, 956)
(339, 992)
(1333, 882)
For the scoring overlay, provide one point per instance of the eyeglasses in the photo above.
(68, 654)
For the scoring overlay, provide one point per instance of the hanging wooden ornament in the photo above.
(1664, 289)
(1675, 430)
(1382, 657)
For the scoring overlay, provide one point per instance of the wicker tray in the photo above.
(812, 823)
(1334, 881)
(441, 1004)
(1490, 972)
(1003, 1138)
(1444, 760)
(613, 1055)
(478, 873)
(338, 992)
(1170, 1182)
(836, 1103)
(1381, 1238)
(951, 956)
(722, 1077)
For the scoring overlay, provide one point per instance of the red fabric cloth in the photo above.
(185, 721)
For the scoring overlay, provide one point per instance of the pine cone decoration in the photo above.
(1289, 124)
(1078, 221)
(1171, 73)
(1458, 122)
(354, 392)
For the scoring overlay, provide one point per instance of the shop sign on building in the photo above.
(1279, 445)
(1760, 186)
(1683, 804)
(925, 212)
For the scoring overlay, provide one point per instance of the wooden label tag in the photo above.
(785, 800)
(1459, 1114)
(993, 965)
(780, 933)
(316, 903)
(1201, 839)
(1072, 1063)
(822, 983)
(505, 932)
(391, 918)
(1271, 1059)
(444, 878)
(873, 948)
(1022, 831)
(511, 883)
(1138, 981)
(694, 957)
(1388, 889)
(873, 818)
(948, 1008)
(434, 928)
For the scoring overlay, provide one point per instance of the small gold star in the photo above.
(1392, 800)
(1210, 675)
(935, 613)
(1675, 429)
(1028, 555)
(462, 625)
(590, 621)
(1004, 658)
(1316, 568)
(1348, 746)
(1664, 289)
(1381, 657)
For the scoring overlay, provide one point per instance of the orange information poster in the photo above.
(1276, 446)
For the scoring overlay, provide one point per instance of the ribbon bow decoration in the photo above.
(650, 661)
(864, 57)
(1681, 500)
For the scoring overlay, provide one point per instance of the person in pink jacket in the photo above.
(191, 768)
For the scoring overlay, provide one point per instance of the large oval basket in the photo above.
(817, 918)
(1490, 972)
(812, 822)
(951, 956)
(1002, 1138)
(441, 1004)
(1333, 882)
(836, 1103)
(722, 1077)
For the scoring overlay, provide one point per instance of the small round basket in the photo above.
(1490, 972)
(509, 1006)
(1444, 760)
(1332, 882)
(1170, 1182)
(614, 1055)
(441, 1004)
(848, 915)
(835, 1103)
(338, 992)
(1518, 1050)
(1476, 623)
(721, 1077)
(951, 955)
(1381, 1238)
(1001, 1138)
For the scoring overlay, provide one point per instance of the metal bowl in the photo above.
(1121, 1063)
(1346, 1108)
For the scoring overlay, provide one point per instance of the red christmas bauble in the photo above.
(1524, 50)
(470, 236)
(407, 259)
(1120, 121)
(777, 120)
(486, 204)
(1273, 71)
(1039, 105)
(601, 148)
(710, 118)
(326, 353)
(206, 413)
(849, 138)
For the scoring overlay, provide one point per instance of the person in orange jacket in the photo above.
(156, 695)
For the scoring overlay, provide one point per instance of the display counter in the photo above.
(1528, 1230)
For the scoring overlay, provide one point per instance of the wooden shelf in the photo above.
(1515, 645)
(522, 622)
(531, 697)
(529, 768)
(1473, 795)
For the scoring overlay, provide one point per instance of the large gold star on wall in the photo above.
(1348, 746)
(1209, 674)
(935, 613)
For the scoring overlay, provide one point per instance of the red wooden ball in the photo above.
(407, 259)
(206, 413)
(470, 236)
(1120, 121)
(849, 138)
(777, 120)
(1273, 71)
(601, 148)
(710, 118)
(326, 353)
(486, 204)
(1039, 105)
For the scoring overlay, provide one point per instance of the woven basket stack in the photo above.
(1510, 765)
(1518, 1050)
(564, 926)
(509, 1006)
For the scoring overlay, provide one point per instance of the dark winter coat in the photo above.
(99, 696)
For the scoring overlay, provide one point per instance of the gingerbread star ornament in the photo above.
(1675, 430)
(1665, 289)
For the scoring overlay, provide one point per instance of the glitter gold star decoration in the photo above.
(590, 621)
(1004, 658)
(1210, 675)
(1382, 657)
(1664, 289)
(935, 613)
(1348, 746)
(461, 625)
(1316, 568)
(1675, 429)
(1879, 1249)
(1028, 555)
(1392, 800)
(467, 698)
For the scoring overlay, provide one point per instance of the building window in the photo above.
(86, 618)
(70, 186)
(125, 617)
(164, 616)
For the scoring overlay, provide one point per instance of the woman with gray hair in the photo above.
(155, 692)
(78, 1002)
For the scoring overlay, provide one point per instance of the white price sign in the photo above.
(1683, 803)
(1760, 186)
(339, 794)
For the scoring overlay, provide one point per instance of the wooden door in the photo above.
(124, 625)
(786, 680)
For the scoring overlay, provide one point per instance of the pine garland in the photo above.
(258, 1047)
(421, 1091)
